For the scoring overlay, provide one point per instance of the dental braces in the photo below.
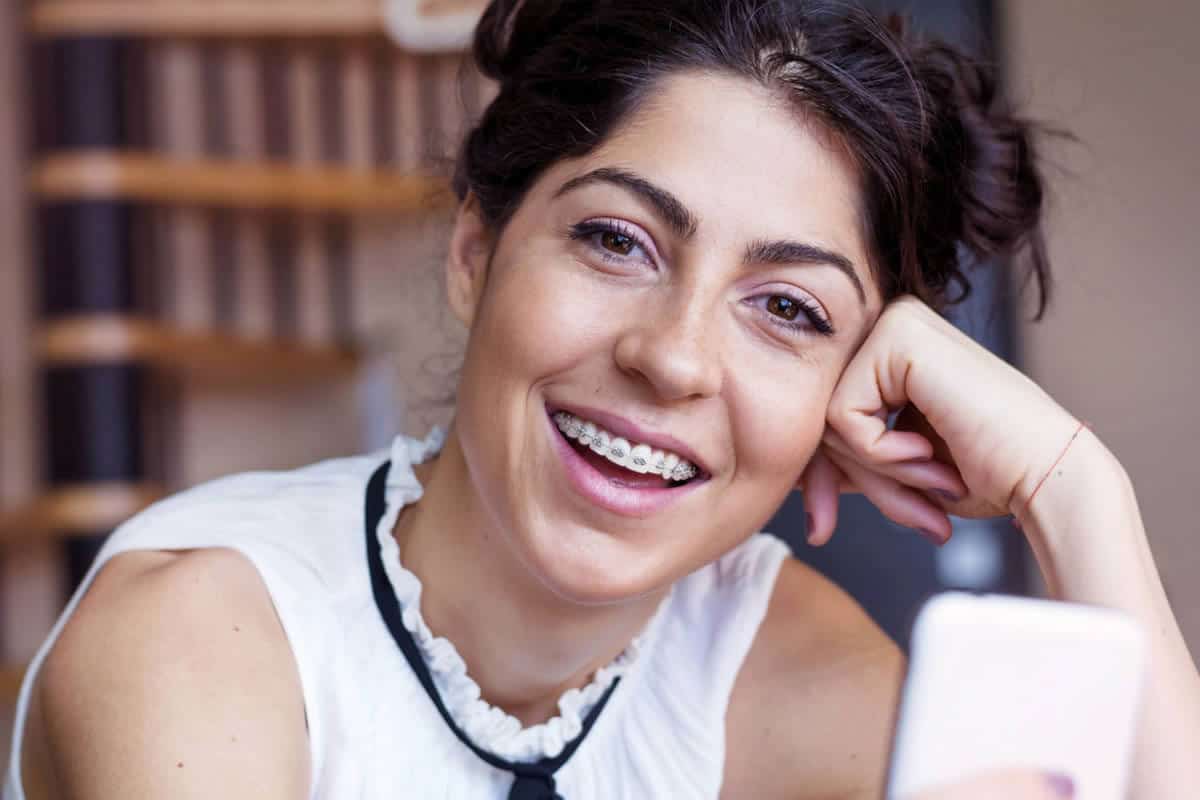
(640, 458)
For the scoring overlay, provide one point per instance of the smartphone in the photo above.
(997, 681)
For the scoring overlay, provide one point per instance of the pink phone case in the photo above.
(997, 681)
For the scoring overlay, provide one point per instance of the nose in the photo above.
(672, 352)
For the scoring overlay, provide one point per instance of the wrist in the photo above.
(1083, 468)
(1075, 461)
(1081, 510)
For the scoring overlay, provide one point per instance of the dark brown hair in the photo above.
(947, 170)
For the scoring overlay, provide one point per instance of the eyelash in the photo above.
(586, 230)
(817, 322)
(594, 228)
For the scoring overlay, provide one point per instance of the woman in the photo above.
(700, 251)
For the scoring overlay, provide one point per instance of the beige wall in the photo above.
(1121, 346)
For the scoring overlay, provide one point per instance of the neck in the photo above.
(523, 644)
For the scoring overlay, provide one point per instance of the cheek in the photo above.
(538, 318)
(778, 425)
(533, 326)
(525, 332)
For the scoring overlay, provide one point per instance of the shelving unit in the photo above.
(75, 510)
(10, 682)
(213, 193)
(232, 184)
(115, 339)
(190, 18)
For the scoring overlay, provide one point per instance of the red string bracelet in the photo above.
(1083, 424)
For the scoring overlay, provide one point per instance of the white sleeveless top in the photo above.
(374, 733)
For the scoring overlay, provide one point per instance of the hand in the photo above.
(1006, 785)
(972, 428)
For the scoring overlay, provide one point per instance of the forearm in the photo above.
(1087, 533)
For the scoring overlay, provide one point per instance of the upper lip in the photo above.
(630, 430)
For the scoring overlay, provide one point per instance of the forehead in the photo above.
(746, 163)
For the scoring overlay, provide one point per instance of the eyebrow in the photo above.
(683, 223)
(786, 252)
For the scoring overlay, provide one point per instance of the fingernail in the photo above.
(1015, 522)
(1062, 785)
(949, 497)
(931, 536)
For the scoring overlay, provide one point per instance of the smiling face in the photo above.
(698, 283)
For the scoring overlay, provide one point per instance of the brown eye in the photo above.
(784, 307)
(617, 242)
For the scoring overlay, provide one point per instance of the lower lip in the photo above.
(597, 488)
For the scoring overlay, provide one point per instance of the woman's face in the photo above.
(696, 284)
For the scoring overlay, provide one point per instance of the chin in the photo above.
(588, 567)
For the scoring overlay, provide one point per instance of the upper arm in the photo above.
(173, 678)
(811, 711)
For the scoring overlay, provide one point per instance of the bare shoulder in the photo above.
(173, 678)
(811, 711)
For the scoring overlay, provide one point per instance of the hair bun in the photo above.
(983, 157)
(510, 31)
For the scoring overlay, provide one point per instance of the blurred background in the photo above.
(222, 220)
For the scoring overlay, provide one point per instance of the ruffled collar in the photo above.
(488, 726)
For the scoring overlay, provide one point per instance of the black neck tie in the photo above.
(533, 781)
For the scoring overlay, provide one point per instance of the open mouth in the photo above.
(622, 462)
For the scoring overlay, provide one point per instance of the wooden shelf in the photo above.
(77, 510)
(206, 17)
(108, 339)
(11, 676)
(232, 184)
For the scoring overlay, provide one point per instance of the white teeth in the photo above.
(601, 442)
(669, 464)
(640, 458)
(587, 434)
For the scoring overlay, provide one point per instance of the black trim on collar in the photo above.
(533, 781)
